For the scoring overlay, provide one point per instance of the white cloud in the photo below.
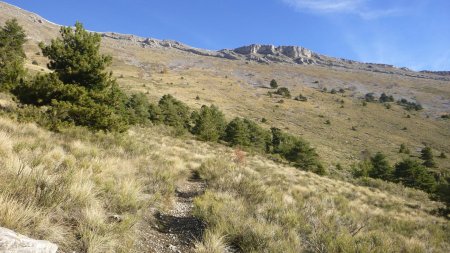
(361, 8)
(326, 5)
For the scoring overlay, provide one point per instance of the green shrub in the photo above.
(87, 112)
(283, 91)
(139, 109)
(443, 194)
(209, 123)
(410, 105)
(246, 133)
(403, 149)
(42, 89)
(260, 138)
(295, 150)
(380, 167)
(361, 169)
(385, 98)
(155, 113)
(273, 84)
(412, 174)
(369, 97)
(300, 97)
(426, 154)
(174, 113)
(237, 133)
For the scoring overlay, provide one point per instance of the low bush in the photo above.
(283, 91)
(385, 98)
(410, 105)
(300, 97)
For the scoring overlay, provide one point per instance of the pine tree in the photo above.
(76, 58)
(209, 123)
(139, 108)
(380, 167)
(174, 113)
(237, 133)
(413, 174)
(273, 84)
(12, 55)
(427, 156)
(260, 138)
(79, 90)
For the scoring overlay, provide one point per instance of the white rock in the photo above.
(12, 242)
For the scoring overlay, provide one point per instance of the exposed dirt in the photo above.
(177, 229)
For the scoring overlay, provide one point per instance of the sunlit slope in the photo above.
(238, 88)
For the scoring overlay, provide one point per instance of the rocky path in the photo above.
(175, 230)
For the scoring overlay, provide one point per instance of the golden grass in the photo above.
(264, 207)
(80, 179)
(64, 187)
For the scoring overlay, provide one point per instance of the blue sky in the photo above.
(410, 33)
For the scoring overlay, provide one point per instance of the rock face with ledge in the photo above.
(12, 242)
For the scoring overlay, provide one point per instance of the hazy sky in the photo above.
(410, 33)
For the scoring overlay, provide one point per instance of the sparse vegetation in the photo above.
(385, 98)
(291, 213)
(410, 105)
(273, 84)
(300, 97)
(283, 91)
(403, 149)
(369, 97)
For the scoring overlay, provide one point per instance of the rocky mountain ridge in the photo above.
(269, 54)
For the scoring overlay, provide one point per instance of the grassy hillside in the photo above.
(66, 187)
(114, 190)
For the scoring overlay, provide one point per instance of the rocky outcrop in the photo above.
(292, 52)
(12, 242)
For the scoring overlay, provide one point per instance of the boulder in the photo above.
(12, 242)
